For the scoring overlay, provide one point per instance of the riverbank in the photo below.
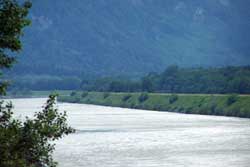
(222, 105)
(34, 94)
(132, 136)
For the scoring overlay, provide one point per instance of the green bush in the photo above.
(219, 111)
(157, 107)
(132, 105)
(232, 99)
(106, 94)
(72, 94)
(173, 98)
(85, 94)
(126, 97)
(143, 97)
(28, 143)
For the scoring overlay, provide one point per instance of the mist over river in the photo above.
(116, 137)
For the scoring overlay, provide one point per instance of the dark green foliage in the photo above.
(84, 94)
(126, 97)
(199, 80)
(106, 94)
(143, 97)
(173, 98)
(168, 79)
(147, 84)
(181, 80)
(28, 143)
(232, 99)
(73, 93)
(172, 80)
(12, 21)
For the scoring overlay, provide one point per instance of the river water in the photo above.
(115, 137)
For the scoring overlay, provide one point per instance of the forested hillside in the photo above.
(132, 37)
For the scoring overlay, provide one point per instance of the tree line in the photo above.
(180, 80)
(173, 79)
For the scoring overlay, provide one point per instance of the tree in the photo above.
(232, 99)
(173, 98)
(147, 84)
(143, 97)
(12, 21)
(169, 78)
(28, 143)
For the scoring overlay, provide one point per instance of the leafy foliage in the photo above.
(126, 97)
(232, 99)
(84, 94)
(173, 98)
(12, 21)
(143, 97)
(181, 80)
(24, 143)
(106, 94)
(73, 93)
(28, 143)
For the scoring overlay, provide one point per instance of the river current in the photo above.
(116, 137)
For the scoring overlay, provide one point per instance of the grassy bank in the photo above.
(224, 105)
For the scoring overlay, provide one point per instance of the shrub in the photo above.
(28, 143)
(126, 97)
(72, 94)
(132, 105)
(213, 108)
(190, 110)
(157, 107)
(232, 99)
(219, 111)
(106, 94)
(143, 97)
(173, 98)
(85, 94)
(181, 109)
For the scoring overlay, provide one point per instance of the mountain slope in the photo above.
(105, 37)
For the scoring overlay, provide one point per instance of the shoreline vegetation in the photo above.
(233, 105)
(173, 79)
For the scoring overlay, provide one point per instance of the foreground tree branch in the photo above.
(28, 143)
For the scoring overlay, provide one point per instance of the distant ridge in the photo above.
(104, 37)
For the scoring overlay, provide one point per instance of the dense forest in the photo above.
(172, 80)
(181, 80)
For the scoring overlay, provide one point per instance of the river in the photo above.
(116, 137)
